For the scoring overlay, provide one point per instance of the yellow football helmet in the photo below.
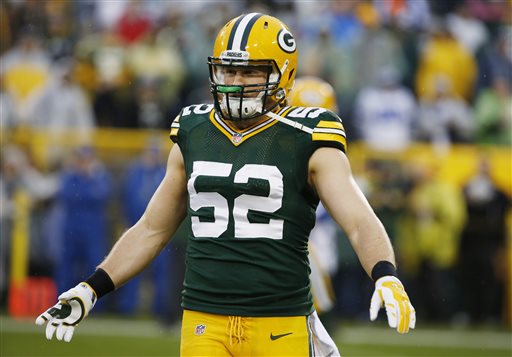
(252, 43)
(313, 92)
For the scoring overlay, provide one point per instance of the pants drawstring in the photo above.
(235, 329)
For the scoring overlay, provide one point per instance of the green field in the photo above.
(144, 337)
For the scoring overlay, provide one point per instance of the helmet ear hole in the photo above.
(291, 74)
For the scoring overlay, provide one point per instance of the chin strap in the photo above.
(290, 122)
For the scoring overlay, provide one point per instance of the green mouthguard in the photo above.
(229, 89)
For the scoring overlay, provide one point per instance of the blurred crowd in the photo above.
(436, 71)
(451, 242)
(404, 71)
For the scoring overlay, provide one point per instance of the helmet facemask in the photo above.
(235, 101)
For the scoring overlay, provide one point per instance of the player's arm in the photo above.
(330, 174)
(132, 253)
(142, 242)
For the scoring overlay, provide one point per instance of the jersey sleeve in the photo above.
(188, 118)
(177, 135)
(329, 131)
(175, 128)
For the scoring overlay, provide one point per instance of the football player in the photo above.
(248, 171)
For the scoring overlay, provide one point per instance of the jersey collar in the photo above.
(239, 136)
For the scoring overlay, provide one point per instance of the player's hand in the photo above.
(72, 307)
(389, 293)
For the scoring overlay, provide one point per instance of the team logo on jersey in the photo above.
(200, 330)
(236, 138)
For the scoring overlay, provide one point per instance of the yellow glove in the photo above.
(389, 293)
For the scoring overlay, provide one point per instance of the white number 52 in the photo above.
(242, 204)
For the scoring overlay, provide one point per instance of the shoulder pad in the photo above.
(330, 128)
(304, 112)
(327, 126)
(192, 111)
(197, 109)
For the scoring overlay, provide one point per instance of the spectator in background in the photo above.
(19, 176)
(333, 29)
(495, 60)
(385, 190)
(377, 47)
(107, 13)
(62, 107)
(84, 192)
(443, 8)
(25, 70)
(5, 28)
(407, 15)
(385, 113)
(142, 178)
(60, 28)
(482, 261)
(344, 25)
(112, 98)
(150, 111)
(493, 113)
(469, 31)
(429, 241)
(159, 67)
(445, 118)
(337, 65)
(7, 114)
(83, 14)
(443, 55)
(19, 169)
(133, 24)
(493, 13)
(27, 13)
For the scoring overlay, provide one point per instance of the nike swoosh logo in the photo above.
(275, 337)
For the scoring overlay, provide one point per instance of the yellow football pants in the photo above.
(204, 334)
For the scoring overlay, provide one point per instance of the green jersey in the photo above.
(251, 209)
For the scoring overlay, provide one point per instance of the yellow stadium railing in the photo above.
(455, 164)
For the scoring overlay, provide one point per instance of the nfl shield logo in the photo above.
(200, 330)
(236, 138)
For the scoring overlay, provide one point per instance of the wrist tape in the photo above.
(383, 268)
(100, 282)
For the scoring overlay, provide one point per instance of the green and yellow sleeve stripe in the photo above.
(330, 131)
(175, 127)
